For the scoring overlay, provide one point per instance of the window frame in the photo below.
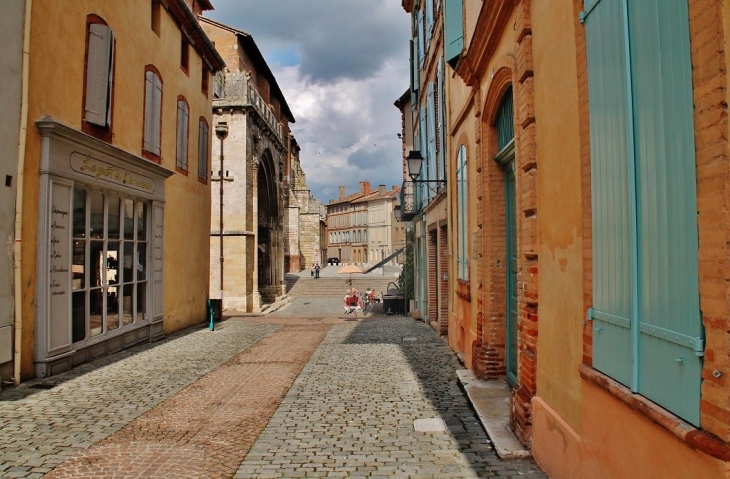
(462, 254)
(202, 121)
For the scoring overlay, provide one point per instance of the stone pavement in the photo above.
(351, 412)
(273, 396)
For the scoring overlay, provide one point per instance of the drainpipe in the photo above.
(22, 136)
(221, 131)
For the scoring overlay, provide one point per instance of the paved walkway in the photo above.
(273, 396)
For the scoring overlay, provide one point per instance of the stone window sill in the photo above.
(687, 433)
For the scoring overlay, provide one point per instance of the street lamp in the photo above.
(221, 132)
(415, 164)
(398, 212)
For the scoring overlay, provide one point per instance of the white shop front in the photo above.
(99, 274)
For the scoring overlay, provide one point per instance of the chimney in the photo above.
(381, 189)
(365, 187)
(342, 191)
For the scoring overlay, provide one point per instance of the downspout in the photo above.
(22, 136)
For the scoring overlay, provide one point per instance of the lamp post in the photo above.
(221, 132)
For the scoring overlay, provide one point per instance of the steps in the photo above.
(333, 287)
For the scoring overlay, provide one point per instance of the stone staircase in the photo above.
(306, 287)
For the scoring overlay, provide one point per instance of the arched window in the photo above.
(462, 260)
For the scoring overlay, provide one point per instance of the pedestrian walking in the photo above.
(316, 270)
(312, 271)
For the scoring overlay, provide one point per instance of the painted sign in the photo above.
(102, 171)
(59, 264)
(157, 261)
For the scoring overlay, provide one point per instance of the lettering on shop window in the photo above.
(101, 171)
(59, 251)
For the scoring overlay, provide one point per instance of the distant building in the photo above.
(341, 224)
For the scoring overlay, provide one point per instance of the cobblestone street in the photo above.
(297, 393)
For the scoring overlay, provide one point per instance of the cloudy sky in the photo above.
(340, 64)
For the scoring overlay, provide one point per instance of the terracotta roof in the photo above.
(345, 199)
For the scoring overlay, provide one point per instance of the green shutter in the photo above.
(611, 186)
(453, 30)
(670, 346)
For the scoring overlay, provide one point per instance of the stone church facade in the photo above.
(259, 191)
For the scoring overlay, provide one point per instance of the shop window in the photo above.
(203, 149)
(98, 79)
(183, 122)
(151, 148)
(109, 268)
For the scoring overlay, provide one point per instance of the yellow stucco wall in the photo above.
(56, 89)
(559, 209)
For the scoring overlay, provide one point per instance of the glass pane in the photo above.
(141, 301)
(113, 217)
(142, 221)
(127, 304)
(97, 215)
(79, 213)
(112, 308)
(128, 219)
(96, 263)
(78, 267)
(112, 263)
(78, 316)
(96, 308)
(128, 257)
(141, 261)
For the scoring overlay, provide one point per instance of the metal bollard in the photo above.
(211, 314)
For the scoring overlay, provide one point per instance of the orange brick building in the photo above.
(588, 143)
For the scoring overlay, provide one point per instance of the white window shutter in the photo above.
(97, 74)
(148, 116)
(110, 82)
(180, 132)
(156, 114)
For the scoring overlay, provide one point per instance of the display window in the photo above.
(110, 286)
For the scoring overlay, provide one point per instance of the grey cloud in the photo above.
(337, 39)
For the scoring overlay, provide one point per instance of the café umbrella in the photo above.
(350, 269)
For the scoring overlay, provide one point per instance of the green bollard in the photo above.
(211, 314)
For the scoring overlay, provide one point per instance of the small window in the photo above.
(204, 81)
(151, 142)
(203, 149)
(156, 9)
(183, 120)
(185, 55)
(99, 79)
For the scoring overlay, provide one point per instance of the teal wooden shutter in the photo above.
(671, 341)
(453, 30)
(441, 119)
(611, 185)
(431, 124)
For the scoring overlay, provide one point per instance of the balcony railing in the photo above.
(411, 207)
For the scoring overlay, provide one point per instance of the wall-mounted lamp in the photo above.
(414, 161)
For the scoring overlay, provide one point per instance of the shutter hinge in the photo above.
(584, 14)
(589, 314)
